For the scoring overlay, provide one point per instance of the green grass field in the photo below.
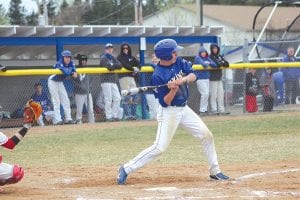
(240, 139)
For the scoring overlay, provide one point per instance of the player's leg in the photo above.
(40, 120)
(65, 102)
(79, 100)
(53, 90)
(220, 96)
(116, 99)
(125, 85)
(194, 125)
(213, 96)
(107, 90)
(134, 100)
(10, 174)
(90, 108)
(152, 104)
(168, 121)
(203, 88)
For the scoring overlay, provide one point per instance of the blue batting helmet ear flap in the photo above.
(66, 53)
(164, 49)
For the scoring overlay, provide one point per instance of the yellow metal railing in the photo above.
(97, 70)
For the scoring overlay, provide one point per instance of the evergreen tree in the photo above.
(77, 2)
(3, 17)
(51, 6)
(16, 13)
(32, 19)
(64, 5)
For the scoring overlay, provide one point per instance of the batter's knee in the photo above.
(18, 174)
(159, 150)
(208, 136)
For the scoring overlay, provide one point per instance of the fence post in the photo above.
(245, 59)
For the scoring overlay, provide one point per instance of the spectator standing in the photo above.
(41, 96)
(57, 89)
(215, 81)
(127, 80)
(203, 78)
(82, 92)
(252, 86)
(268, 90)
(291, 77)
(112, 97)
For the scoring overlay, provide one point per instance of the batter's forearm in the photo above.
(170, 96)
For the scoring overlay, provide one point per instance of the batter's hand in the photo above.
(173, 85)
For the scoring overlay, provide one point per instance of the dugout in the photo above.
(26, 47)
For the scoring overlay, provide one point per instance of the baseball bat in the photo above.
(139, 90)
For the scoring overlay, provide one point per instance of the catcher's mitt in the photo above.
(32, 112)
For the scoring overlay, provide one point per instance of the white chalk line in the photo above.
(274, 194)
(253, 194)
(248, 176)
(183, 198)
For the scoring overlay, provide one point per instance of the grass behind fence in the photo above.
(238, 140)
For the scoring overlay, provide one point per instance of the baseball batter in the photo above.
(57, 89)
(173, 111)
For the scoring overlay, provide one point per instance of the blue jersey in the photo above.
(42, 99)
(164, 74)
(67, 70)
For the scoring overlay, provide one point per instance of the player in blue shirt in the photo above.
(57, 89)
(173, 111)
(42, 97)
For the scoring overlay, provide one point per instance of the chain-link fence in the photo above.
(15, 91)
(244, 91)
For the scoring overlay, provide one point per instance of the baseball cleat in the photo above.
(219, 176)
(121, 180)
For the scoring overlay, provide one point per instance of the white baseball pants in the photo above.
(203, 88)
(112, 99)
(81, 100)
(49, 115)
(59, 96)
(216, 96)
(6, 171)
(169, 119)
(153, 105)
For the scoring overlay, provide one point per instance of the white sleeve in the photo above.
(3, 138)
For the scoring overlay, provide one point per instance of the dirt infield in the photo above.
(268, 180)
(265, 180)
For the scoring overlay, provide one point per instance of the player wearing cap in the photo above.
(82, 92)
(57, 89)
(173, 111)
(112, 97)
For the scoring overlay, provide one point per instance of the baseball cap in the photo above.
(109, 45)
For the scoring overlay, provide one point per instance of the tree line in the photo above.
(99, 12)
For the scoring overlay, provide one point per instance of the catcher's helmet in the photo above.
(164, 49)
(66, 53)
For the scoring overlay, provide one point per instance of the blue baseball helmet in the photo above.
(164, 49)
(66, 53)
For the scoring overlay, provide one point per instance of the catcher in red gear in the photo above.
(10, 174)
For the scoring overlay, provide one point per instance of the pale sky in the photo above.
(29, 5)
